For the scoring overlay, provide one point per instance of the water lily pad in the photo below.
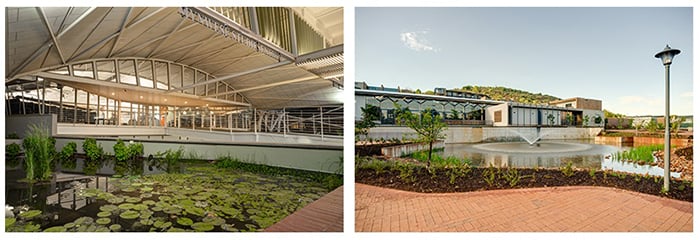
(55, 229)
(216, 221)
(104, 214)
(129, 214)
(195, 211)
(229, 227)
(31, 227)
(115, 200)
(140, 207)
(149, 202)
(133, 199)
(128, 189)
(108, 208)
(146, 195)
(115, 227)
(174, 229)
(103, 221)
(145, 213)
(102, 229)
(146, 222)
(157, 209)
(164, 198)
(146, 189)
(30, 214)
(230, 211)
(69, 225)
(202, 227)
(126, 206)
(184, 221)
(136, 184)
(9, 222)
(172, 210)
(83, 221)
(162, 224)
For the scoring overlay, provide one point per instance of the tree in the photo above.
(370, 114)
(455, 114)
(637, 126)
(418, 91)
(652, 125)
(429, 127)
(676, 123)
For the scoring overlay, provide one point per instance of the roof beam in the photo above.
(121, 30)
(235, 75)
(140, 46)
(140, 20)
(48, 43)
(268, 85)
(73, 56)
(182, 21)
(45, 20)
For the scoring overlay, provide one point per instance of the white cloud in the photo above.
(416, 41)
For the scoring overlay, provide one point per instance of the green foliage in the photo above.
(644, 154)
(586, 120)
(370, 114)
(127, 158)
(12, 152)
(12, 136)
(591, 173)
(567, 170)
(455, 115)
(429, 127)
(653, 125)
(67, 155)
(511, 175)
(489, 175)
(609, 114)
(95, 155)
(168, 160)
(405, 171)
(379, 166)
(319, 177)
(454, 172)
(38, 151)
(509, 94)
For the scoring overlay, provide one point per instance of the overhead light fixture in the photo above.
(185, 102)
(141, 97)
(113, 93)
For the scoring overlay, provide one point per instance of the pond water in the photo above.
(549, 154)
(202, 198)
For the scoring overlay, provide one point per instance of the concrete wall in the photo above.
(591, 117)
(20, 124)
(486, 134)
(312, 158)
(107, 130)
(401, 150)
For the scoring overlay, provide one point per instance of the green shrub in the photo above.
(489, 174)
(95, 155)
(12, 136)
(12, 152)
(568, 170)
(511, 176)
(168, 160)
(127, 158)
(405, 171)
(38, 153)
(67, 155)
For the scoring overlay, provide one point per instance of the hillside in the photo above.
(509, 94)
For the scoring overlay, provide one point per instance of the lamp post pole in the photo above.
(666, 55)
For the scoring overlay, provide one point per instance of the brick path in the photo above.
(322, 215)
(568, 209)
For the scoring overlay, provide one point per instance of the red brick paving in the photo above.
(555, 209)
(322, 215)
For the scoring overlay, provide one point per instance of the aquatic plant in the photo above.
(67, 155)
(103, 221)
(115, 227)
(56, 229)
(38, 150)
(12, 152)
(129, 214)
(95, 155)
(127, 158)
(184, 221)
(168, 161)
(202, 227)
(233, 163)
(30, 214)
(645, 154)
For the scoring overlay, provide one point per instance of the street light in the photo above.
(666, 57)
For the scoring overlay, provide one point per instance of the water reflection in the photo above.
(582, 154)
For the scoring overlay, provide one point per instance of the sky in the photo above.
(599, 53)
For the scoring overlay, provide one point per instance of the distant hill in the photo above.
(509, 94)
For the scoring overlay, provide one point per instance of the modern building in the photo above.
(459, 107)
(261, 76)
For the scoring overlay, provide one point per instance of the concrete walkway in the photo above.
(322, 215)
(555, 209)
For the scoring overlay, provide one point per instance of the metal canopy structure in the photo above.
(191, 56)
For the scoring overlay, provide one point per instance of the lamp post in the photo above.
(666, 57)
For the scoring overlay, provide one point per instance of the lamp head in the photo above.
(667, 55)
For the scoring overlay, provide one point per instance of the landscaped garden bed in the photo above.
(410, 175)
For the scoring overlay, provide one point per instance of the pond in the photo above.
(549, 154)
(201, 198)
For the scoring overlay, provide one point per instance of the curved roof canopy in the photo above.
(190, 55)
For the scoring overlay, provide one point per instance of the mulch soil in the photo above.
(474, 180)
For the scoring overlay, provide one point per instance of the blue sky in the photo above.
(599, 53)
